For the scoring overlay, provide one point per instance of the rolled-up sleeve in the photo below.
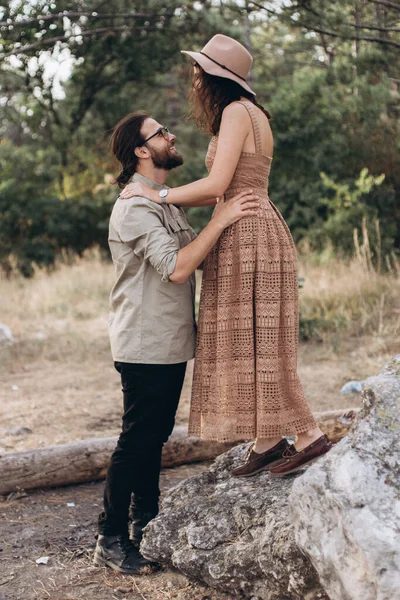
(142, 228)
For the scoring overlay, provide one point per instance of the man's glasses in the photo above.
(164, 131)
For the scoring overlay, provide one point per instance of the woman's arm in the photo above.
(189, 258)
(210, 202)
(234, 129)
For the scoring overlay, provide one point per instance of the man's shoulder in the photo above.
(137, 206)
(137, 202)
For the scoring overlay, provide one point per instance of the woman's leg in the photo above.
(303, 440)
(263, 444)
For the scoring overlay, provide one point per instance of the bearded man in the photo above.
(152, 328)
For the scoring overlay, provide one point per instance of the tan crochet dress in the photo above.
(245, 381)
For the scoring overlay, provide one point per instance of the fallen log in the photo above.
(87, 460)
(336, 423)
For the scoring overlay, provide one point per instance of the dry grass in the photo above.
(349, 297)
(357, 295)
(58, 378)
(65, 312)
(70, 302)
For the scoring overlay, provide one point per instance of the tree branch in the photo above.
(92, 15)
(268, 10)
(386, 3)
(349, 37)
(369, 27)
(374, 27)
(63, 38)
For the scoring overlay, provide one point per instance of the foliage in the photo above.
(346, 208)
(36, 226)
(328, 72)
(335, 109)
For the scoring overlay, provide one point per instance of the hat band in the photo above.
(223, 66)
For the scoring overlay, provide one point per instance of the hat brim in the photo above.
(213, 69)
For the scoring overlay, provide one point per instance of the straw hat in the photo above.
(225, 57)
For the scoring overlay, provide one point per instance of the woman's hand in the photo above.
(242, 205)
(140, 189)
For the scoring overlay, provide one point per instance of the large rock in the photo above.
(233, 534)
(346, 508)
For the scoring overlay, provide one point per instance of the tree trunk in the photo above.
(87, 460)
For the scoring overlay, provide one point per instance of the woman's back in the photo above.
(260, 122)
(255, 160)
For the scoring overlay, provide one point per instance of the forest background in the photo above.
(329, 72)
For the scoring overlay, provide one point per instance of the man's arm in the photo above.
(143, 230)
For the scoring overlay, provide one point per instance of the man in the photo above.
(152, 328)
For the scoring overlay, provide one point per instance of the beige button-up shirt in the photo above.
(151, 318)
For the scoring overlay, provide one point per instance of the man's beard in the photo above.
(163, 159)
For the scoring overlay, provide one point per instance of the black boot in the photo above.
(139, 518)
(118, 553)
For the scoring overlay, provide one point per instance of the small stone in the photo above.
(43, 560)
(20, 431)
(40, 336)
(352, 387)
(6, 335)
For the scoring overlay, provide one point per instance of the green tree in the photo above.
(333, 93)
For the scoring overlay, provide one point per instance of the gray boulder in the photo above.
(233, 534)
(346, 508)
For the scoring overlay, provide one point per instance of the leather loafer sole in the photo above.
(264, 468)
(296, 469)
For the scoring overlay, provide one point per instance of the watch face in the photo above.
(163, 193)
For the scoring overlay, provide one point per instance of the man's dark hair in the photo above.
(125, 138)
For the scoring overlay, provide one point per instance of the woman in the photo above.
(245, 382)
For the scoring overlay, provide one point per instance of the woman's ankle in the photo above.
(264, 444)
(305, 439)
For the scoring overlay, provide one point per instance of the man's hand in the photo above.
(244, 204)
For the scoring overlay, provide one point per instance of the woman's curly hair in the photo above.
(209, 95)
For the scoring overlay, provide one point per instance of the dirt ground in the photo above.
(58, 385)
(60, 524)
(46, 402)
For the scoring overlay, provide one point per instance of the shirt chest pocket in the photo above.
(178, 224)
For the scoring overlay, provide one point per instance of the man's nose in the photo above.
(172, 137)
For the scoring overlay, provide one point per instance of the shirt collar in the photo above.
(152, 184)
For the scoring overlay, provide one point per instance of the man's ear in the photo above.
(142, 152)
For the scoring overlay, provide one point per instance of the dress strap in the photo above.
(254, 121)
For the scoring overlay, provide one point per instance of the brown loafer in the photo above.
(256, 462)
(292, 460)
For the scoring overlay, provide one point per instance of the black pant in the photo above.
(151, 395)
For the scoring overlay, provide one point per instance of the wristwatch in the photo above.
(163, 195)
